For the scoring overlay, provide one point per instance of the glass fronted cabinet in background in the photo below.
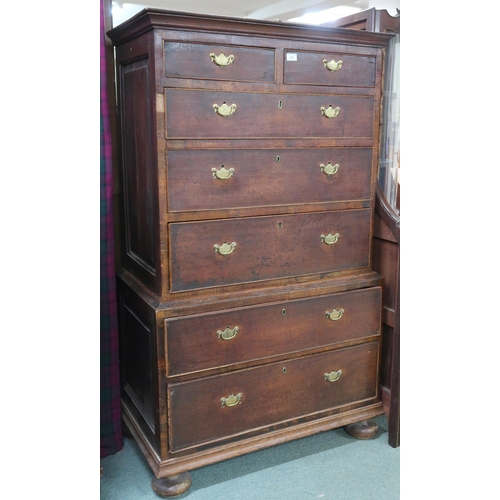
(388, 174)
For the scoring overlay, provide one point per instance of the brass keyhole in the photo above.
(283, 311)
(278, 158)
(284, 369)
(280, 104)
(280, 225)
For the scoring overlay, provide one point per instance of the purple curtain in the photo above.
(111, 434)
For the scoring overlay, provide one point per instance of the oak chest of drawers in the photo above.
(249, 311)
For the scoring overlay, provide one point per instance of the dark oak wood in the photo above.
(192, 60)
(261, 440)
(138, 164)
(285, 390)
(386, 249)
(270, 330)
(373, 20)
(267, 247)
(180, 299)
(365, 429)
(270, 177)
(258, 115)
(159, 19)
(309, 68)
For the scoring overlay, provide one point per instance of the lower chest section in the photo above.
(235, 373)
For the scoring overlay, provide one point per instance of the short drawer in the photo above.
(329, 68)
(222, 179)
(229, 251)
(225, 338)
(219, 62)
(201, 114)
(213, 408)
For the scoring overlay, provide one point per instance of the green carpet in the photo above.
(330, 466)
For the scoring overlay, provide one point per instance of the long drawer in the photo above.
(217, 407)
(204, 114)
(221, 179)
(229, 251)
(225, 338)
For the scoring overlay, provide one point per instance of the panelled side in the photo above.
(138, 362)
(139, 169)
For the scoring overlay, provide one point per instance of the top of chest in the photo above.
(201, 47)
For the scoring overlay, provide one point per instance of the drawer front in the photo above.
(219, 62)
(269, 394)
(226, 338)
(329, 68)
(230, 251)
(191, 114)
(222, 179)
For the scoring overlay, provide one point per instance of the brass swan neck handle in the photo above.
(221, 60)
(332, 65)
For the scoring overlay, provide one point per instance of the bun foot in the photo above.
(365, 429)
(171, 486)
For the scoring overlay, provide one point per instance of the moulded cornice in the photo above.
(151, 18)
